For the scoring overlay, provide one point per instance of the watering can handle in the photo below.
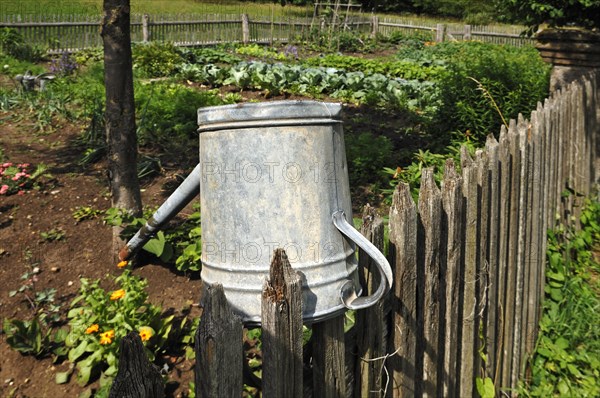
(348, 290)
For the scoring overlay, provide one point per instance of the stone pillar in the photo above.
(572, 53)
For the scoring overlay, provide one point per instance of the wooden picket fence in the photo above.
(71, 33)
(468, 261)
(470, 256)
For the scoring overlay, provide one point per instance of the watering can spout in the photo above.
(183, 195)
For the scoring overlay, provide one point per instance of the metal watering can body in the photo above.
(275, 175)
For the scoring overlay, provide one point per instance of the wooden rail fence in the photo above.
(468, 261)
(79, 32)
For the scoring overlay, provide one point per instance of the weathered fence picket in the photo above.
(137, 376)
(282, 330)
(371, 323)
(217, 352)
(467, 297)
(493, 295)
(428, 284)
(329, 367)
(404, 330)
(450, 261)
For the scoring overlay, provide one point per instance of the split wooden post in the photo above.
(429, 343)
(403, 255)
(218, 346)
(282, 330)
(137, 376)
(468, 303)
(451, 260)
(370, 322)
(493, 295)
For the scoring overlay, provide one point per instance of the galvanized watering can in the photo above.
(274, 175)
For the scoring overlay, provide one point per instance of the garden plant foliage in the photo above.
(567, 357)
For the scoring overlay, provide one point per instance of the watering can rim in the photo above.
(250, 112)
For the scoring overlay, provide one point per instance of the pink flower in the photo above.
(21, 193)
(7, 165)
(3, 189)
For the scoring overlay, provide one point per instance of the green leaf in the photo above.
(111, 371)
(556, 276)
(156, 245)
(545, 352)
(84, 374)
(62, 377)
(74, 312)
(556, 294)
(485, 387)
(562, 343)
(563, 388)
(78, 351)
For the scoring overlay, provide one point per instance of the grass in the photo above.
(94, 7)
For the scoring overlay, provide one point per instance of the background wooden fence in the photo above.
(468, 261)
(70, 33)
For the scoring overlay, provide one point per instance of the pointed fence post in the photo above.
(371, 326)
(218, 346)
(468, 332)
(429, 345)
(403, 257)
(137, 376)
(451, 260)
(282, 330)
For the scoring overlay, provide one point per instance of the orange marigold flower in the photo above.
(117, 294)
(122, 264)
(106, 337)
(146, 333)
(92, 329)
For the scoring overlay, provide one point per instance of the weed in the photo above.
(55, 234)
(85, 213)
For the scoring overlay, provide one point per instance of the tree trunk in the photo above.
(120, 111)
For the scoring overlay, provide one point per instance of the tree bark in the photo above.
(120, 110)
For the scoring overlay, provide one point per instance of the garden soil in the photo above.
(83, 251)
